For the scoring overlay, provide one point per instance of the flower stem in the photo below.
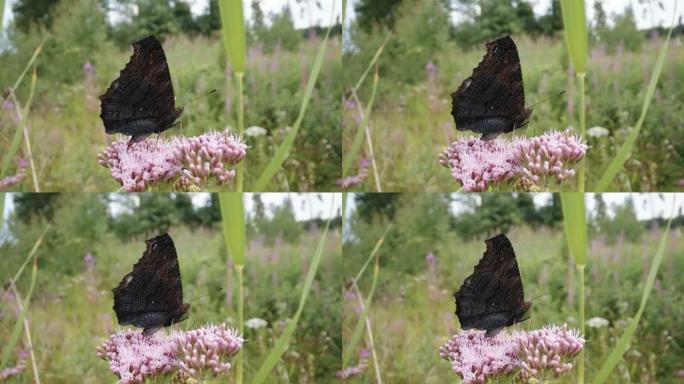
(241, 127)
(583, 129)
(238, 371)
(580, 363)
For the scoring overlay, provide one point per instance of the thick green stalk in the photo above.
(580, 362)
(581, 76)
(240, 309)
(241, 127)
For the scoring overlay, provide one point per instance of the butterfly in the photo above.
(151, 296)
(492, 100)
(492, 297)
(141, 101)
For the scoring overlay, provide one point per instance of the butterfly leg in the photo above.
(150, 331)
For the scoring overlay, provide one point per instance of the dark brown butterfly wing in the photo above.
(151, 296)
(492, 297)
(492, 100)
(141, 101)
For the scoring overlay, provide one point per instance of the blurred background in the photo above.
(435, 44)
(94, 240)
(88, 43)
(437, 239)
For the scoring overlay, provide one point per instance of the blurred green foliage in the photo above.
(436, 53)
(86, 50)
(73, 298)
(414, 299)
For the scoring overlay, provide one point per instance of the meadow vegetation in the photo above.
(84, 53)
(427, 56)
(71, 310)
(429, 251)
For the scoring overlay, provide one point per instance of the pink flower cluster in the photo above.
(350, 181)
(187, 160)
(10, 372)
(548, 349)
(349, 372)
(535, 354)
(17, 178)
(550, 154)
(207, 348)
(134, 357)
(477, 164)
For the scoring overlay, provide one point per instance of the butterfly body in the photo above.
(151, 295)
(492, 100)
(141, 101)
(492, 297)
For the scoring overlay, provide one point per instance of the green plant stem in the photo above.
(369, 140)
(581, 76)
(580, 363)
(241, 127)
(27, 333)
(369, 333)
(241, 324)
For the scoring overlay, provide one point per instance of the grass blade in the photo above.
(283, 151)
(233, 218)
(575, 27)
(2, 12)
(358, 330)
(626, 149)
(371, 339)
(380, 241)
(233, 32)
(624, 341)
(575, 223)
(358, 138)
(284, 340)
(371, 64)
(16, 331)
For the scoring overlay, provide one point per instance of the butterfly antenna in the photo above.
(546, 294)
(208, 294)
(547, 99)
(201, 96)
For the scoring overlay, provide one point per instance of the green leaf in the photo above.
(626, 338)
(284, 340)
(283, 151)
(575, 223)
(233, 31)
(575, 27)
(233, 219)
(625, 150)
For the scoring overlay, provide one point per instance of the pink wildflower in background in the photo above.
(350, 181)
(10, 372)
(189, 161)
(17, 178)
(529, 355)
(477, 164)
(134, 357)
(349, 372)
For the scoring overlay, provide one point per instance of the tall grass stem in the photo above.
(241, 127)
(371, 339)
(239, 269)
(581, 167)
(27, 333)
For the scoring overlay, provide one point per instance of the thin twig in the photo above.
(369, 142)
(371, 343)
(27, 331)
